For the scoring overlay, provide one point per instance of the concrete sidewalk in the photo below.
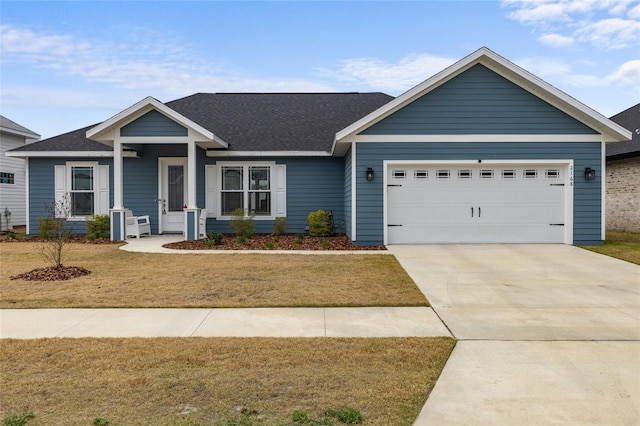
(250, 322)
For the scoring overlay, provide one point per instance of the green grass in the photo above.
(621, 245)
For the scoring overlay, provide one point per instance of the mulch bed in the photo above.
(276, 242)
(52, 273)
(75, 239)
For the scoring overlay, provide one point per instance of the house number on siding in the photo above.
(570, 175)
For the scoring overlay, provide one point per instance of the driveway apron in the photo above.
(548, 334)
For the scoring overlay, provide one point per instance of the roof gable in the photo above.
(610, 131)
(153, 123)
(478, 101)
(108, 130)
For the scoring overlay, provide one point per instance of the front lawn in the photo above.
(224, 381)
(621, 245)
(123, 279)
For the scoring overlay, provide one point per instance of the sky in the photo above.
(67, 65)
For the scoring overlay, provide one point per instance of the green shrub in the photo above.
(320, 224)
(242, 225)
(100, 421)
(98, 226)
(280, 226)
(215, 238)
(299, 239)
(269, 245)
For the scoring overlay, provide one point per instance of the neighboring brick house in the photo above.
(623, 176)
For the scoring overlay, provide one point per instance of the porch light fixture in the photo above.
(370, 174)
(589, 173)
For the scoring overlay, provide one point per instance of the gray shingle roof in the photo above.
(254, 121)
(629, 119)
(5, 123)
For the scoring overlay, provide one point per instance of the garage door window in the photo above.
(508, 174)
(530, 173)
(552, 173)
(399, 174)
(443, 174)
(464, 174)
(486, 174)
(420, 174)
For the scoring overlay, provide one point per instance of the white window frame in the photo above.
(63, 182)
(273, 187)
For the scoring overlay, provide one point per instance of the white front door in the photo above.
(173, 193)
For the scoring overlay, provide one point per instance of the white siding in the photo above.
(13, 196)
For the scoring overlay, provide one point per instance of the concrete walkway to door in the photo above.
(548, 334)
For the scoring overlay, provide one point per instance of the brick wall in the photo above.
(623, 195)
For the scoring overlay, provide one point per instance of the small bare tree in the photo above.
(53, 229)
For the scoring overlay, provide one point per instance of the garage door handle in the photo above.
(471, 211)
(393, 225)
(479, 211)
(556, 224)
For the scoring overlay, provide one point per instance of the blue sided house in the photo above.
(482, 152)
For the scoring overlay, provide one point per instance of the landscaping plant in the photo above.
(98, 226)
(320, 224)
(243, 225)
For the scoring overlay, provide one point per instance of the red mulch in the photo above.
(276, 242)
(52, 273)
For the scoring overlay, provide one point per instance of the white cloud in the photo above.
(558, 72)
(600, 23)
(612, 33)
(556, 40)
(149, 64)
(387, 76)
(628, 74)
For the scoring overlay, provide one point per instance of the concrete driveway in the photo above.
(548, 334)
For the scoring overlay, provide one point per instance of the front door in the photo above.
(173, 194)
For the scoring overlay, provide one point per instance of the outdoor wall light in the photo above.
(370, 174)
(589, 173)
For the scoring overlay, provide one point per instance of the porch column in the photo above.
(191, 231)
(117, 214)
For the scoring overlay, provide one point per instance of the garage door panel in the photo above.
(476, 204)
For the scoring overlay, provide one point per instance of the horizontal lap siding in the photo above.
(478, 101)
(312, 184)
(42, 191)
(153, 123)
(587, 195)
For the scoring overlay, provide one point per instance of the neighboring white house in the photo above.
(13, 173)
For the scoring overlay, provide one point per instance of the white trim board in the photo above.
(450, 138)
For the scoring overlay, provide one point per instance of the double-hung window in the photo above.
(257, 188)
(247, 188)
(81, 189)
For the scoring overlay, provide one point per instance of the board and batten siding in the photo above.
(478, 101)
(153, 123)
(42, 190)
(587, 194)
(13, 195)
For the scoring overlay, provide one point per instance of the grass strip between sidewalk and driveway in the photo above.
(219, 381)
(135, 280)
(621, 245)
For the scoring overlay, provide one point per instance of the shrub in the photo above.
(320, 224)
(346, 415)
(214, 237)
(299, 239)
(280, 226)
(53, 229)
(242, 225)
(98, 226)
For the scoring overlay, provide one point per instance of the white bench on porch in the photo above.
(137, 225)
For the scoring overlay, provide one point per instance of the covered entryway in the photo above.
(481, 202)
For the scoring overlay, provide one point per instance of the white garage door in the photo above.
(476, 203)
